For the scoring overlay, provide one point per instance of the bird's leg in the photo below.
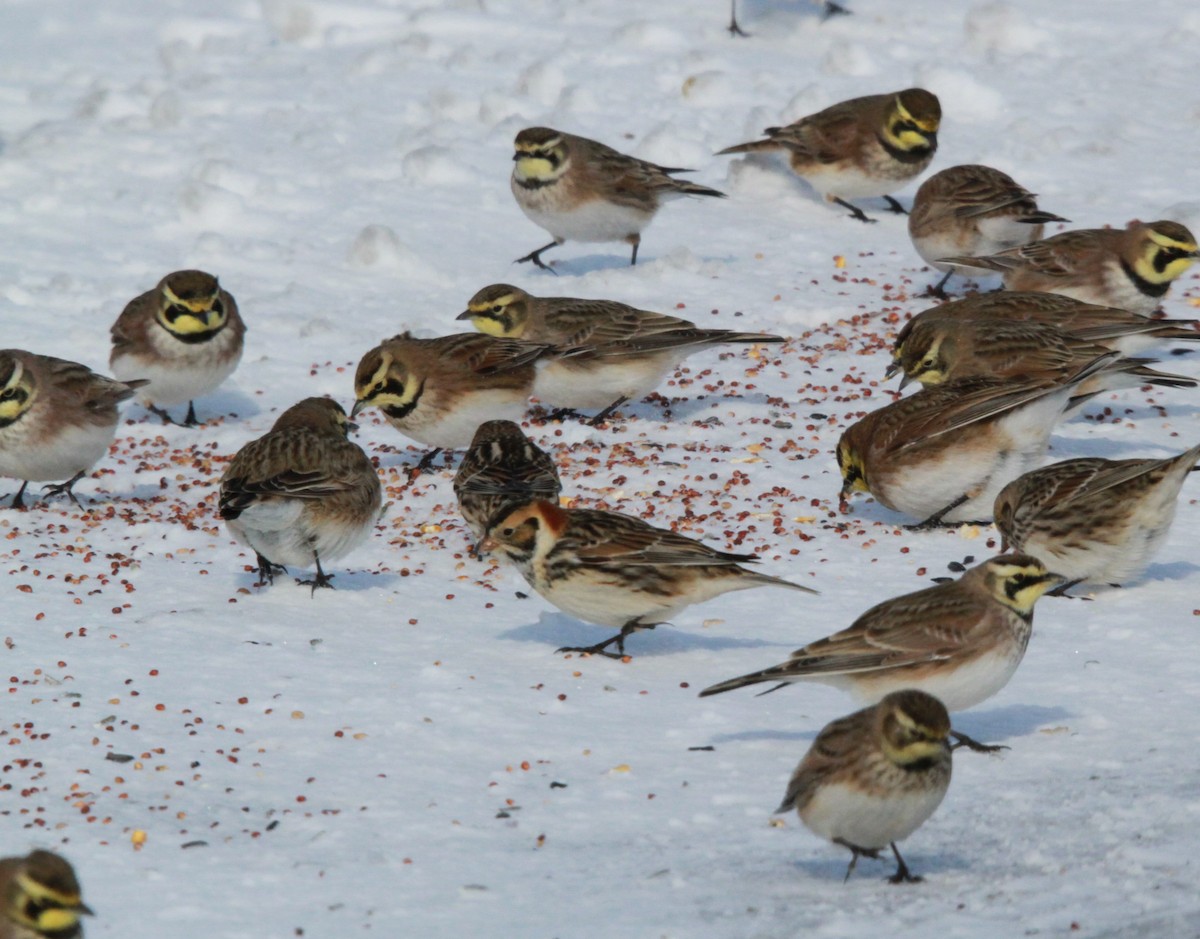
(1061, 589)
(536, 257)
(190, 420)
(267, 569)
(607, 412)
(561, 414)
(166, 418)
(636, 241)
(855, 853)
(18, 501)
(902, 875)
(894, 206)
(426, 464)
(601, 648)
(321, 580)
(834, 9)
(939, 289)
(58, 489)
(734, 29)
(935, 520)
(855, 211)
(962, 740)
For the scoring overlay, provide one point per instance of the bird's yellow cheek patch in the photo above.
(536, 168)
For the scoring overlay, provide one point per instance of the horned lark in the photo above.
(948, 350)
(57, 419)
(942, 454)
(40, 898)
(874, 777)
(1099, 521)
(828, 9)
(185, 336)
(1116, 329)
(438, 391)
(580, 190)
(301, 493)
(616, 570)
(972, 210)
(612, 353)
(860, 148)
(1131, 268)
(961, 640)
(502, 470)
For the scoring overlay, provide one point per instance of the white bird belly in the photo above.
(840, 811)
(55, 458)
(597, 383)
(178, 372)
(594, 220)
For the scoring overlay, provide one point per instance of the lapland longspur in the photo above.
(1131, 268)
(944, 350)
(972, 210)
(40, 898)
(502, 470)
(961, 640)
(612, 353)
(185, 336)
(581, 190)
(874, 777)
(942, 454)
(1116, 329)
(860, 148)
(616, 570)
(438, 391)
(1096, 521)
(301, 493)
(57, 419)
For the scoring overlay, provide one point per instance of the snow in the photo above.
(386, 758)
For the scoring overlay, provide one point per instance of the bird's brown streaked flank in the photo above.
(616, 570)
(1094, 520)
(861, 148)
(40, 898)
(302, 493)
(611, 352)
(57, 419)
(185, 337)
(942, 454)
(438, 391)
(581, 190)
(960, 641)
(1116, 329)
(944, 349)
(502, 470)
(972, 210)
(874, 777)
(1131, 268)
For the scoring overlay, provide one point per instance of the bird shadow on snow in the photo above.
(833, 868)
(223, 403)
(559, 630)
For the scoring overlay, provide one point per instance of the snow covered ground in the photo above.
(406, 755)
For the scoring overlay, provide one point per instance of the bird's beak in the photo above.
(892, 369)
(485, 545)
(358, 406)
(517, 156)
(464, 315)
(904, 382)
(84, 909)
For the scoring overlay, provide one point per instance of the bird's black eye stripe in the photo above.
(1167, 256)
(218, 307)
(1020, 582)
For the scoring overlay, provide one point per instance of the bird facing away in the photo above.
(302, 493)
(972, 210)
(57, 419)
(943, 350)
(874, 777)
(1096, 521)
(1120, 330)
(185, 336)
(616, 570)
(40, 898)
(610, 352)
(438, 391)
(1131, 268)
(942, 454)
(960, 641)
(861, 148)
(502, 470)
(581, 190)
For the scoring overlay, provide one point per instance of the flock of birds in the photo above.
(998, 371)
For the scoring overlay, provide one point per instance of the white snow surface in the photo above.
(406, 755)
